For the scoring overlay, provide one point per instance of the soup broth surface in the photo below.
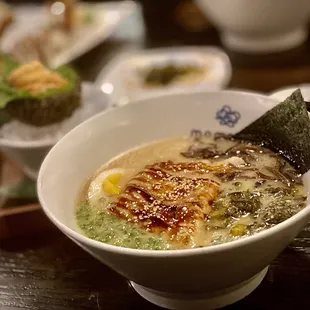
(181, 193)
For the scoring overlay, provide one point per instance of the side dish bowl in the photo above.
(207, 278)
(259, 26)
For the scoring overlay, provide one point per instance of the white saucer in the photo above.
(208, 301)
(264, 44)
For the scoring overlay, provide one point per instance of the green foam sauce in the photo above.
(96, 223)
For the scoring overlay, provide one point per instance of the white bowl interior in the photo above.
(81, 152)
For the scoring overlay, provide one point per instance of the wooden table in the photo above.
(46, 270)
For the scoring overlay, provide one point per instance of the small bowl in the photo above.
(202, 278)
(33, 143)
(259, 26)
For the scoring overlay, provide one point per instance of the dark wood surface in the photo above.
(46, 270)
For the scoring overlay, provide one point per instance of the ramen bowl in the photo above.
(201, 278)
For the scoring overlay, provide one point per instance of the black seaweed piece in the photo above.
(284, 129)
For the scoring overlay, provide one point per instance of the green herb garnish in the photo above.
(98, 224)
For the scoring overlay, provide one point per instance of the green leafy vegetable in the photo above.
(164, 75)
(238, 203)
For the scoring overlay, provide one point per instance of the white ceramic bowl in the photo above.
(259, 25)
(204, 278)
(28, 152)
(282, 93)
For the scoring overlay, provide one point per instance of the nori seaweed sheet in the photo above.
(284, 129)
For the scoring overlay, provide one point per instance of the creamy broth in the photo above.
(180, 193)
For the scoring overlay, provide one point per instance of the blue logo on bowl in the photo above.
(227, 117)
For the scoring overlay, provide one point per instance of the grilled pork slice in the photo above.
(171, 199)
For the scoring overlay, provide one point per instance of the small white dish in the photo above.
(30, 19)
(28, 145)
(259, 26)
(282, 93)
(201, 278)
(122, 78)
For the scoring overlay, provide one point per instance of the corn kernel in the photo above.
(238, 230)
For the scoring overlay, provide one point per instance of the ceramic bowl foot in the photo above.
(209, 301)
(264, 44)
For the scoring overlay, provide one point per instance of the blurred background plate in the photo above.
(31, 19)
(123, 78)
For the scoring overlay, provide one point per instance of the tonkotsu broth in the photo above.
(227, 190)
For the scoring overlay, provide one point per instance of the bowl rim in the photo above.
(276, 94)
(82, 239)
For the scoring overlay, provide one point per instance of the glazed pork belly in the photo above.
(171, 199)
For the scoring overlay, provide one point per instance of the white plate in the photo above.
(30, 19)
(121, 78)
(282, 93)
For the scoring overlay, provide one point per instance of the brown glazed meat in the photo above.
(169, 198)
